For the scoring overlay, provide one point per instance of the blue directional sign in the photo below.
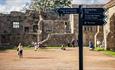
(94, 23)
(93, 16)
(93, 10)
(68, 10)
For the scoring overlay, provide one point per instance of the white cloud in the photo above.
(2, 8)
(90, 1)
(16, 2)
(13, 5)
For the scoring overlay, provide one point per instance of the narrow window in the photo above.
(15, 24)
(85, 28)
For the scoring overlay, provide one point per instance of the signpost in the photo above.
(91, 16)
(80, 40)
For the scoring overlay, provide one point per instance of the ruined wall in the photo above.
(88, 34)
(16, 27)
(58, 39)
(109, 27)
(27, 28)
(99, 36)
(88, 31)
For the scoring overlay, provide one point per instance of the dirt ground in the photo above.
(55, 59)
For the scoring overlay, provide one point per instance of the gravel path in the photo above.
(55, 59)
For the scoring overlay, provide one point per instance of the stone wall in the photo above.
(88, 31)
(109, 27)
(59, 39)
(61, 28)
(28, 28)
(99, 36)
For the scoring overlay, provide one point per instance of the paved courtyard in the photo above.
(55, 59)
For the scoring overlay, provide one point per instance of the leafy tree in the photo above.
(44, 5)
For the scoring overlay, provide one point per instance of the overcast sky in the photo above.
(17, 5)
(12, 5)
(90, 1)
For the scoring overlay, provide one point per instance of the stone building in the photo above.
(17, 27)
(71, 27)
(89, 32)
(53, 30)
(109, 27)
(23, 27)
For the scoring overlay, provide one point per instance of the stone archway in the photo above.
(111, 35)
(99, 35)
(110, 41)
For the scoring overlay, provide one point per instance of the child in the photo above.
(20, 50)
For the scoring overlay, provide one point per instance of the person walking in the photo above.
(91, 45)
(20, 50)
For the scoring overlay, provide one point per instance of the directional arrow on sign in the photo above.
(68, 10)
(93, 16)
(93, 10)
(100, 22)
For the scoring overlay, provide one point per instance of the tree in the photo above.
(43, 5)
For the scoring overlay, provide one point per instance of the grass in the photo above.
(99, 49)
(110, 53)
(106, 52)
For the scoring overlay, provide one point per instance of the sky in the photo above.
(16, 5)
(12, 5)
(90, 1)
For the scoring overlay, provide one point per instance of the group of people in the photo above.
(39, 44)
(73, 43)
(36, 45)
(98, 44)
(20, 48)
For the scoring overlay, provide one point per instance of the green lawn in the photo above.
(99, 49)
(110, 53)
(106, 52)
